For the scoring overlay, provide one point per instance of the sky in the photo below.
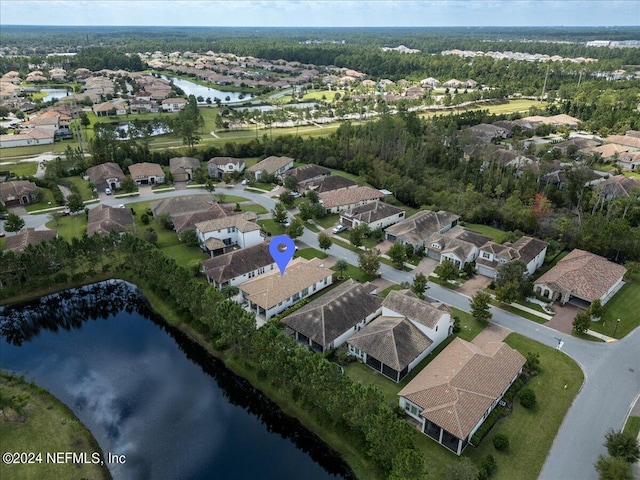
(322, 13)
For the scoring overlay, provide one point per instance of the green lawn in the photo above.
(310, 253)
(22, 169)
(496, 234)
(356, 274)
(263, 186)
(469, 327)
(625, 306)
(632, 426)
(83, 187)
(253, 207)
(184, 255)
(531, 433)
(69, 227)
(49, 427)
(389, 289)
(328, 221)
(46, 198)
(224, 198)
(272, 227)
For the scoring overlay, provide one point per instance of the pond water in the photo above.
(147, 392)
(122, 130)
(55, 93)
(191, 88)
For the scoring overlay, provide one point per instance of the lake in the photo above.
(147, 392)
(191, 88)
(55, 93)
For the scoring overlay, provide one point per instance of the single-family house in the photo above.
(110, 108)
(272, 293)
(307, 173)
(31, 136)
(580, 278)
(218, 166)
(624, 140)
(629, 160)
(375, 214)
(146, 173)
(174, 104)
(418, 228)
(618, 186)
(28, 236)
(223, 234)
(487, 132)
(452, 396)
(183, 169)
(18, 192)
(336, 201)
(493, 255)
(238, 266)
(106, 175)
(330, 320)
(270, 166)
(104, 219)
(185, 221)
(458, 245)
(183, 204)
(406, 332)
(330, 183)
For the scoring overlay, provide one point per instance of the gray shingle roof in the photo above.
(405, 303)
(182, 204)
(329, 316)
(233, 264)
(395, 341)
(104, 219)
(332, 182)
(372, 212)
(28, 236)
(419, 227)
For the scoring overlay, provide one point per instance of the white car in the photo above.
(108, 191)
(339, 229)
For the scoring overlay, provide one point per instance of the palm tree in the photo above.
(341, 266)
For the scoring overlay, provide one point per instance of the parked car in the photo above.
(287, 223)
(243, 182)
(3, 216)
(339, 229)
(108, 191)
(66, 212)
(2, 234)
(296, 194)
(122, 205)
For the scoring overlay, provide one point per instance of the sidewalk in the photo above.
(601, 336)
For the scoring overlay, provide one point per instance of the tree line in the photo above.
(310, 380)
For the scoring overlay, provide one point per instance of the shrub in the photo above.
(144, 218)
(501, 442)
(487, 467)
(527, 398)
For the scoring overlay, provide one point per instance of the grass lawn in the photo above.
(46, 198)
(69, 227)
(444, 283)
(517, 311)
(224, 198)
(389, 289)
(263, 186)
(469, 327)
(83, 187)
(310, 253)
(625, 306)
(356, 274)
(368, 242)
(328, 221)
(632, 426)
(184, 255)
(272, 227)
(496, 234)
(49, 427)
(254, 207)
(531, 432)
(22, 169)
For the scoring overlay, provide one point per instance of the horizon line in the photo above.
(318, 27)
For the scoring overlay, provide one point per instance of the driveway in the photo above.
(474, 285)
(426, 266)
(563, 319)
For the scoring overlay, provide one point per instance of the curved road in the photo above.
(612, 370)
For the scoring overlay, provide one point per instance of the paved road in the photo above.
(612, 370)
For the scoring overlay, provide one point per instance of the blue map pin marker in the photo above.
(282, 249)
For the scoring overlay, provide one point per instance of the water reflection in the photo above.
(96, 350)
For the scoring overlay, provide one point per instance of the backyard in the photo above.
(625, 306)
